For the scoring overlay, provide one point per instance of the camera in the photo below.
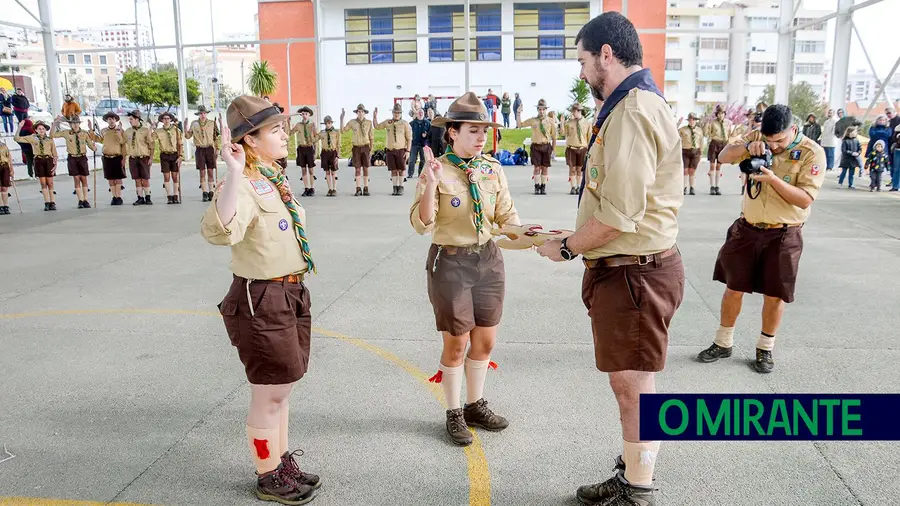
(753, 164)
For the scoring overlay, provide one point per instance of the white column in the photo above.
(468, 43)
(785, 52)
(320, 89)
(737, 57)
(507, 42)
(50, 56)
(840, 62)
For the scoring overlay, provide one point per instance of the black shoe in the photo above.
(80, 204)
(684, 191)
(478, 414)
(691, 192)
(53, 206)
(358, 192)
(205, 198)
(395, 192)
(572, 191)
(113, 202)
(148, 201)
(289, 464)
(169, 199)
(139, 202)
(46, 206)
(543, 189)
(278, 486)
(4, 210)
(87, 205)
(712, 190)
(718, 191)
(365, 191)
(312, 192)
(400, 188)
(175, 199)
(120, 201)
(537, 189)
(456, 427)
(764, 363)
(892, 190)
(713, 353)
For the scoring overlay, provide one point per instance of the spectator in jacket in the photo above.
(436, 136)
(6, 112)
(895, 169)
(876, 163)
(505, 108)
(420, 129)
(893, 118)
(812, 129)
(850, 149)
(880, 131)
(829, 141)
(517, 109)
(27, 148)
(20, 104)
(430, 104)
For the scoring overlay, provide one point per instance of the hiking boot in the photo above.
(312, 192)
(358, 192)
(456, 427)
(572, 191)
(718, 191)
(684, 191)
(764, 363)
(46, 206)
(712, 190)
(400, 189)
(305, 192)
(478, 414)
(691, 192)
(113, 201)
(139, 202)
(289, 464)
(147, 200)
(169, 199)
(365, 191)
(53, 206)
(543, 189)
(594, 494)
(205, 198)
(80, 204)
(616, 492)
(713, 353)
(537, 189)
(175, 199)
(278, 486)
(395, 192)
(87, 205)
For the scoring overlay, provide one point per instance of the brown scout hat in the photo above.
(362, 108)
(465, 109)
(110, 114)
(41, 123)
(327, 120)
(542, 103)
(719, 109)
(247, 114)
(135, 114)
(692, 116)
(202, 108)
(575, 107)
(167, 113)
(305, 109)
(397, 108)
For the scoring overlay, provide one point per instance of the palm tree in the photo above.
(263, 80)
(580, 93)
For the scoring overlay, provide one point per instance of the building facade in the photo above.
(118, 35)
(863, 86)
(231, 69)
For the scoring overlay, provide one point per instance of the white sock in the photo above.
(687, 181)
(476, 371)
(764, 342)
(451, 384)
(725, 337)
(640, 460)
(716, 176)
(712, 177)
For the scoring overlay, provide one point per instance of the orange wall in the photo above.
(647, 14)
(283, 20)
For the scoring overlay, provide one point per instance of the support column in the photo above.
(182, 80)
(785, 60)
(468, 43)
(737, 75)
(317, 34)
(840, 62)
(50, 57)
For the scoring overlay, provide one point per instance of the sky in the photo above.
(879, 21)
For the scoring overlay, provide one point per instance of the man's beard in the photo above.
(597, 93)
(597, 88)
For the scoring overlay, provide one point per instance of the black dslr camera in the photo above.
(753, 164)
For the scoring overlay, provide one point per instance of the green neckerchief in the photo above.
(541, 125)
(40, 143)
(469, 169)
(305, 130)
(578, 128)
(722, 126)
(394, 127)
(693, 137)
(328, 136)
(278, 179)
(77, 143)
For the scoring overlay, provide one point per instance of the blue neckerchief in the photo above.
(641, 80)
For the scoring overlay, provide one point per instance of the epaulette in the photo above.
(490, 158)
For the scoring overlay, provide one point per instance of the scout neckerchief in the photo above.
(77, 143)
(578, 128)
(169, 133)
(328, 136)
(722, 126)
(277, 178)
(641, 80)
(305, 130)
(469, 169)
(541, 124)
(40, 143)
(394, 127)
(693, 137)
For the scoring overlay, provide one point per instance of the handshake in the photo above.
(527, 236)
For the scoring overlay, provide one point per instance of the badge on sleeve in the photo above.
(493, 199)
(815, 170)
(594, 172)
(283, 225)
(455, 202)
(262, 187)
(592, 185)
(795, 155)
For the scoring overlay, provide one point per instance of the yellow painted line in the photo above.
(478, 471)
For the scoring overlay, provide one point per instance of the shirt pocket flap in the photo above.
(271, 204)
(489, 186)
(451, 187)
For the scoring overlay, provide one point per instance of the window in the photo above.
(701, 87)
(87, 59)
(711, 43)
(450, 18)
(674, 22)
(72, 72)
(102, 60)
(760, 68)
(707, 24)
(390, 21)
(104, 71)
(89, 71)
(813, 28)
(70, 58)
(90, 85)
(810, 46)
(713, 66)
(809, 68)
(673, 43)
(718, 88)
(758, 23)
(564, 18)
(673, 64)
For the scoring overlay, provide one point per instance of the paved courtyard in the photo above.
(120, 385)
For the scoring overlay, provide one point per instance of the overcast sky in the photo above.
(237, 16)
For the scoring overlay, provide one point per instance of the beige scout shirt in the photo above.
(718, 130)
(739, 132)
(76, 143)
(261, 235)
(634, 177)
(43, 146)
(169, 139)
(398, 135)
(537, 136)
(803, 166)
(691, 137)
(4, 155)
(452, 221)
(139, 142)
(306, 133)
(113, 141)
(578, 132)
(205, 133)
(362, 131)
(331, 139)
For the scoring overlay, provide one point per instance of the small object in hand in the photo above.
(527, 236)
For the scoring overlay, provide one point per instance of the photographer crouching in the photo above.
(762, 248)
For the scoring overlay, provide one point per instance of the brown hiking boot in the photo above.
(278, 487)
(456, 427)
(594, 494)
(478, 414)
(713, 353)
(293, 470)
(616, 491)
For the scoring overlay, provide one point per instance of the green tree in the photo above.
(226, 95)
(263, 80)
(802, 100)
(156, 88)
(580, 93)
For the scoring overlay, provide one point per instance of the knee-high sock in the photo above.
(169, 187)
(476, 370)
(687, 180)
(451, 384)
(712, 175)
(365, 180)
(139, 190)
(358, 181)
(263, 445)
(717, 175)
(693, 180)
(283, 429)
(640, 459)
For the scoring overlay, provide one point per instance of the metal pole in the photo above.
(840, 62)
(884, 84)
(468, 44)
(289, 76)
(50, 56)
(137, 37)
(320, 88)
(784, 62)
(28, 11)
(215, 56)
(182, 83)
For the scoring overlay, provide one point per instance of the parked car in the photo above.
(38, 114)
(119, 106)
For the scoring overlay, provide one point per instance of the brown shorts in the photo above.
(466, 289)
(329, 159)
(396, 159)
(630, 308)
(691, 159)
(541, 154)
(168, 161)
(715, 147)
(306, 157)
(5, 175)
(112, 167)
(78, 165)
(361, 156)
(206, 158)
(273, 341)
(139, 167)
(760, 261)
(575, 157)
(43, 166)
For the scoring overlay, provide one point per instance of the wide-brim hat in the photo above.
(327, 120)
(305, 109)
(204, 109)
(466, 109)
(41, 123)
(74, 119)
(575, 107)
(692, 116)
(247, 114)
(719, 109)
(110, 114)
(397, 108)
(135, 114)
(362, 108)
(542, 103)
(167, 114)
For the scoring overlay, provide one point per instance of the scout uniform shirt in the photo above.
(4, 155)
(139, 142)
(362, 131)
(169, 139)
(261, 234)
(691, 137)
(113, 141)
(802, 166)
(739, 132)
(43, 146)
(452, 219)
(331, 139)
(205, 133)
(306, 133)
(399, 134)
(577, 132)
(718, 130)
(76, 143)
(543, 130)
(633, 181)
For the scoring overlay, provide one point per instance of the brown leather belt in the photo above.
(111, 156)
(619, 261)
(769, 226)
(290, 278)
(464, 250)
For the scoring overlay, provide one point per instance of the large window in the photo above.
(568, 17)
(102, 60)
(819, 27)
(706, 43)
(673, 64)
(810, 46)
(809, 68)
(759, 23)
(391, 21)
(760, 68)
(713, 66)
(70, 58)
(87, 59)
(451, 18)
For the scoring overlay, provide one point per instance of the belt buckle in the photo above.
(644, 259)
